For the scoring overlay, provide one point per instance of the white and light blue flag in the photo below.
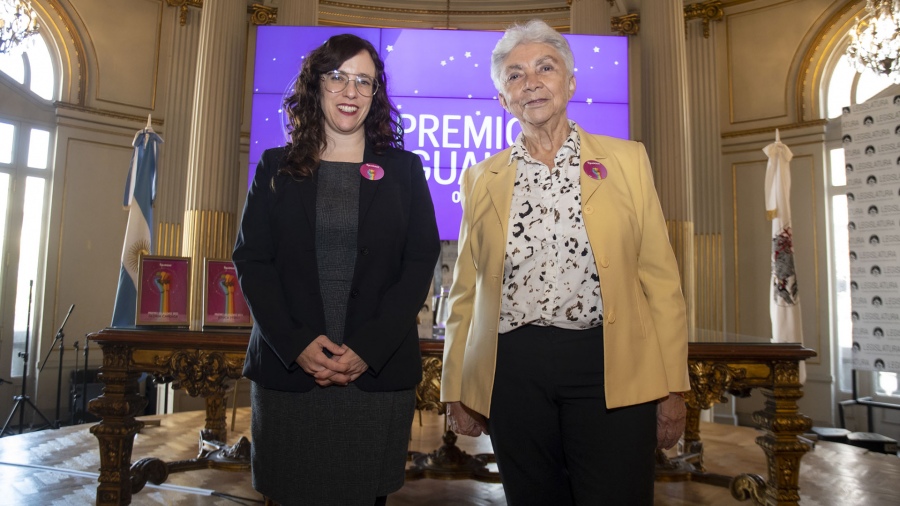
(140, 192)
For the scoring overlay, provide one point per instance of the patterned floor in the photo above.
(59, 467)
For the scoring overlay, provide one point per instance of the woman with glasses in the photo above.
(335, 254)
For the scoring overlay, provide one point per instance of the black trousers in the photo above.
(554, 440)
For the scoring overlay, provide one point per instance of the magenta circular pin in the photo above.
(594, 169)
(371, 171)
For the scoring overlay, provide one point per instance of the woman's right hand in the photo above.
(317, 364)
(463, 420)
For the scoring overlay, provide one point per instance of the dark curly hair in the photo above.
(307, 121)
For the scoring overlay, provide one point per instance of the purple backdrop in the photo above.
(447, 101)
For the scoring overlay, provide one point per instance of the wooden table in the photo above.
(738, 368)
(201, 363)
(204, 363)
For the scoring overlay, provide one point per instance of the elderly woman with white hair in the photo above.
(567, 335)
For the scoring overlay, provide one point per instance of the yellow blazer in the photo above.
(644, 324)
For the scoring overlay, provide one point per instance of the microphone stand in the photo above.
(61, 338)
(23, 399)
(84, 382)
(74, 397)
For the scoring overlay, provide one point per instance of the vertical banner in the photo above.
(871, 140)
(784, 295)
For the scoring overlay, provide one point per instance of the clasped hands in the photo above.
(342, 367)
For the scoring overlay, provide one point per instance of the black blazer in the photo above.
(275, 258)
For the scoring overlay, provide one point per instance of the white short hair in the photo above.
(534, 31)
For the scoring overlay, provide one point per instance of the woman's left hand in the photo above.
(352, 365)
(670, 418)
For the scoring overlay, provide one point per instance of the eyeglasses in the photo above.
(336, 81)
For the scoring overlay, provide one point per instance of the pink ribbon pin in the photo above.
(371, 171)
(595, 169)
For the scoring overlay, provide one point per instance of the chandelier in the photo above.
(18, 22)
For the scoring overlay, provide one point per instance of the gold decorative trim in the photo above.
(734, 246)
(262, 15)
(771, 129)
(207, 234)
(428, 391)
(104, 112)
(326, 18)
(183, 7)
(681, 237)
(707, 11)
(435, 12)
(803, 75)
(612, 3)
(168, 239)
(77, 44)
(709, 293)
(628, 24)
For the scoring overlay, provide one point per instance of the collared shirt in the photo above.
(549, 274)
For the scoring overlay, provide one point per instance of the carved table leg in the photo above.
(117, 408)
(691, 440)
(782, 423)
(216, 429)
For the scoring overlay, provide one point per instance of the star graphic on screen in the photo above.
(399, 106)
(443, 63)
(477, 113)
(576, 69)
(615, 63)
(452, 58)
(468, 54)
(596, 49)
(470, 95)
(592, 67)
(416, 92)
(390, 48)
(476, 64)
(590, 100)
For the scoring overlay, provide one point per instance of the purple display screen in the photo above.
(440, 82)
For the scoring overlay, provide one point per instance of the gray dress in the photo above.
(333, 445)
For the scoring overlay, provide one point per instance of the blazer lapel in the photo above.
(307, 190)
(590, 150)
(499, 180)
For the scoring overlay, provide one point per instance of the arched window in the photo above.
(845, 87)
(28, 86)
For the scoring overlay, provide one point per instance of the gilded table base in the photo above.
(719, 368)
(213, 455)
(450, 463)
(447, 462)
(202, 363)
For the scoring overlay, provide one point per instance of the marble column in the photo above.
(665, 128)
(706, 152)
(172, 174)
(213, 171)
(590, 17)
(298, 12)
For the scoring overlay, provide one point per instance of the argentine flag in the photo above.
(140, 191)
